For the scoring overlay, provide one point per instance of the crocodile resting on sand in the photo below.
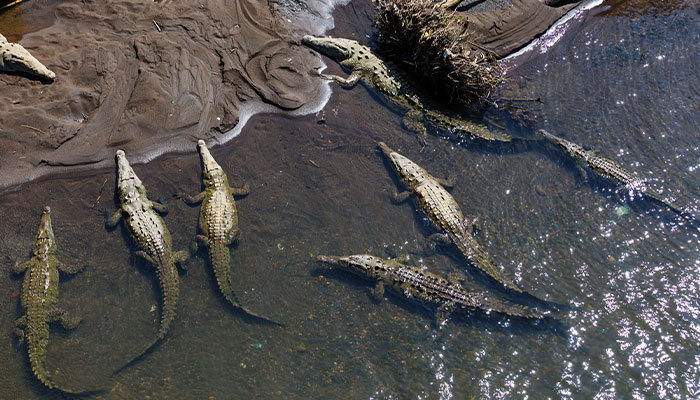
(443, 211)
(151, 235)
(15, 58)
(218, 222)
(39, 298)
(424, 287)
(374, 72)
(611, 171)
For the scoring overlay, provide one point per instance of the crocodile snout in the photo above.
(385, 149)
(332, 260)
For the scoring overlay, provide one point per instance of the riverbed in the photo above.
(622, 80)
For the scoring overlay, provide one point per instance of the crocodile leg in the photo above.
(377, 292)
(66, 320)
(179, 258)
(241, 191)
(233, 235)
(474, 225)
(20, 324)
(403, 258)
(457, 276)
(70, 270)
(114, 219)
(142, 254)
(191, 200)
(438, 238)
(398, 198)
(443, 312)
(199, 240)
(448, 182)
(413, 121)
(19, 268)
(348, 82)
(159, 207)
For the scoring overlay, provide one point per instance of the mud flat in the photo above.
(153, 78)
(149, 78)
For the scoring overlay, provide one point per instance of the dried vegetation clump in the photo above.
(436, 42)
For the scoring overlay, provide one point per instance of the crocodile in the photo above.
(39, 299)
(377, 73)
(218, 222)
(443, 211)
(424, 287)
(611, 171)
(151, 235)
(15, 58)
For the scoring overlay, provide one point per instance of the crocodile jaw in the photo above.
(410, 172)
(15, 58)
(337, 49)
(208, 162)
(549, 136)
(358, 264)
(332, 260)
(392, 156)
(126, 174)
(45, 240)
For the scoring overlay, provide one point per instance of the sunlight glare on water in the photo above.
(624, 270)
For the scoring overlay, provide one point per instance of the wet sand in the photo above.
(149, 78)
(153, 78)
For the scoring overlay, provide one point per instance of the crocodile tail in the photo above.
(220, 256)
(476, 254)
(466, 128)
(673, 206)
(170, 290)
(37, 335)
(138, 356)
(512, 309)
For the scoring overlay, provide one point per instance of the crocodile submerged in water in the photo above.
(39, 299)
(151, 235)
(218, 221)
(425, 287)
(15, 58)
(373, 71)
(611, 171)
(443, 211)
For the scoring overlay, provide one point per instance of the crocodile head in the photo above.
(570, 147)
(336, 48)
(361, 264)
(210, 168)
(548, 135)
(45, 241)
(128, 184)
(409, 171)
(15, 58)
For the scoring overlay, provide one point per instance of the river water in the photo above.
(623, 80)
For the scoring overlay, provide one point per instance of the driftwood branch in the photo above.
(33, 128)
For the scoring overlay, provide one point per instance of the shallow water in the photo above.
(620, 81)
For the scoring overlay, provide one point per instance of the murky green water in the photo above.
(622, 82)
